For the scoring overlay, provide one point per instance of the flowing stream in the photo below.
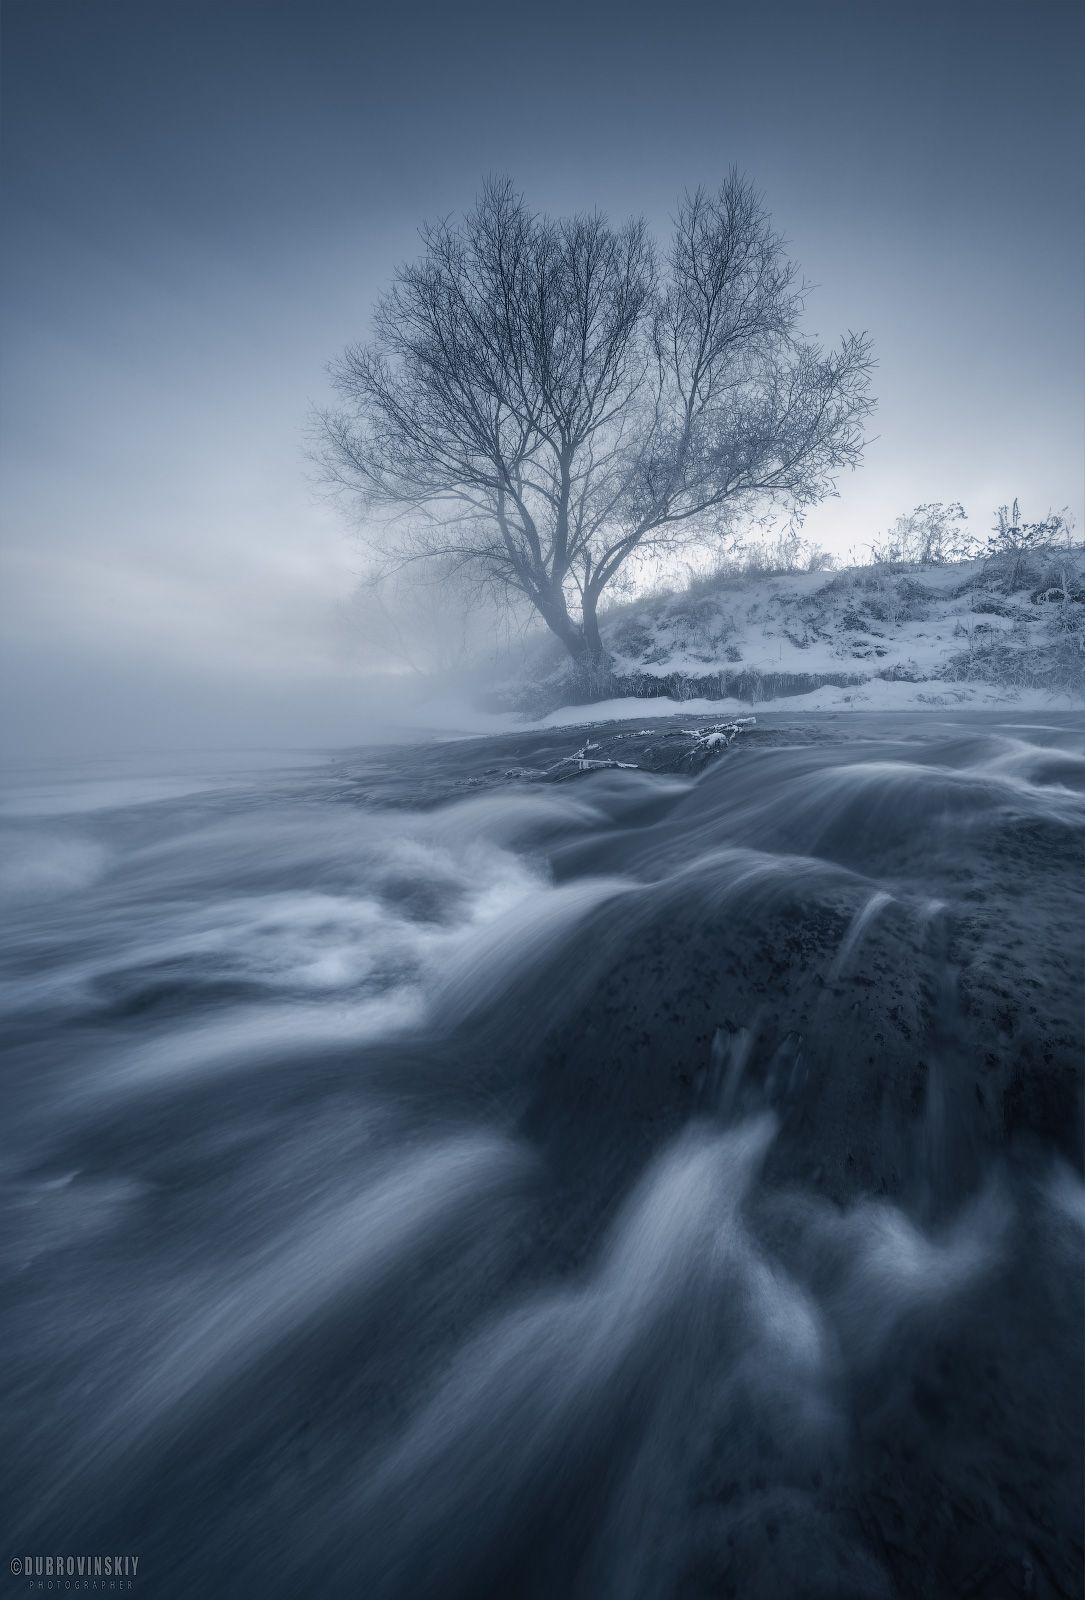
(424, 1177)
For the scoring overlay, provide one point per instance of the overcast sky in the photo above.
(203, 197)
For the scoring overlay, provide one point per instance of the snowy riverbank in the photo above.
(979, 634)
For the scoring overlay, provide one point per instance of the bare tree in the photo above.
(544, 399)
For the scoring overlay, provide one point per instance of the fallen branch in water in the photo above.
(582, 762)
(695, 747)
(721, 734)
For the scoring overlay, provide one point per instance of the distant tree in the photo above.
(543, 399)
(927, 536)
(428, 619)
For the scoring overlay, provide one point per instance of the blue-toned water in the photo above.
(426, 1176)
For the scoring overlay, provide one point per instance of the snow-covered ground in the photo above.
(860, 620)
(1005, 631)
(874, 695)
(455, 720)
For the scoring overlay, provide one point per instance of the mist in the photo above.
(203, 206)
(542, 655)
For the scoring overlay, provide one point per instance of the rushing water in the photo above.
(433, 1182)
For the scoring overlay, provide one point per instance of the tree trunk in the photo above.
(582, 640)
(564, 628)
(593, 640)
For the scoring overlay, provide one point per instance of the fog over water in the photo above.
(204, 198)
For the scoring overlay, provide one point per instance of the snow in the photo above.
(907, 638)
(463, 722)
(632, 709)
(874, 695)
(858, 620)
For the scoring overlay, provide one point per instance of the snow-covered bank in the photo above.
(874, 695)
(446, 720)
(1005, 630)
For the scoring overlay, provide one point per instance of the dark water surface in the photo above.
(427, 1177)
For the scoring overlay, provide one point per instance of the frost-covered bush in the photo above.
(928, 535)
(901, 672)
(1063, 581)
(867, 599)
(698, 626)
(632, 638)
(1011, 534)
(1050, 657)
(761, 558)
(1012, 571)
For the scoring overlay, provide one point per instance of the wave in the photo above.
(441, 1183)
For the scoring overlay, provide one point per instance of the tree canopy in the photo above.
(544, 398)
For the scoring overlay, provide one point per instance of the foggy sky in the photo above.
(203, 197)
